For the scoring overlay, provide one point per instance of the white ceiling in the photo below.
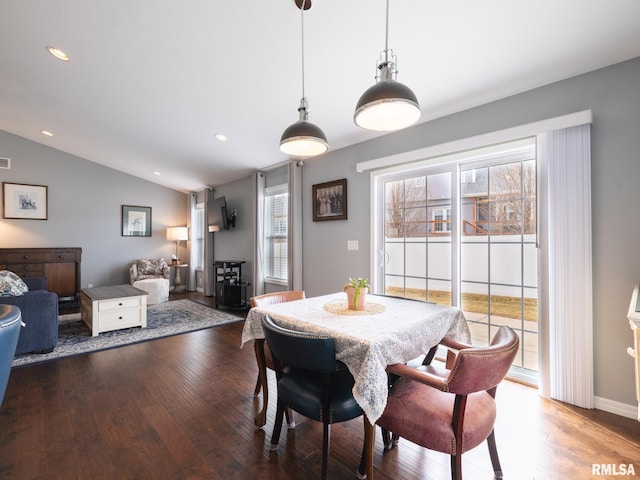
(152, 81)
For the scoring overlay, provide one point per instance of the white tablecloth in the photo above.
(367, 343)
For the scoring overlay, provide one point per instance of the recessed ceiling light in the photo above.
(221, 137)
(47, 133)
(157, 173)
(59, 54)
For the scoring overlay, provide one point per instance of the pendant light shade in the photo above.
(303, 139)
(388, 105)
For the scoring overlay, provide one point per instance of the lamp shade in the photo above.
(386, 106)
(177, 233)
(303, 139)
(214, 228)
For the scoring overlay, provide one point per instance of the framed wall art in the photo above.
(29, 202)
(330, 200)
(136, 221)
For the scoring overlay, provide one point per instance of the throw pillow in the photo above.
(151, 266)
(11, 285)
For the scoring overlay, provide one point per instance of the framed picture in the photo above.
(136, 221)
(330, 200)
(25, 201)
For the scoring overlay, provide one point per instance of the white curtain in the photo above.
(258, 250)
(565, 242)
(191, 282)
(209, 243)
(295, 226)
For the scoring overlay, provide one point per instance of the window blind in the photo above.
(276, 232)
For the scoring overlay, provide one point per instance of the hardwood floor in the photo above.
(183, 407)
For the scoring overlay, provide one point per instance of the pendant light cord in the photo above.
(302, 30)
(386, 36)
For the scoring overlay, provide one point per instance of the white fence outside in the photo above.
(506, 262)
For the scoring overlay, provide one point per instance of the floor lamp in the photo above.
(177, 234)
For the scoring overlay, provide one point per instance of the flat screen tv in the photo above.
(218, 214)
(225, 219)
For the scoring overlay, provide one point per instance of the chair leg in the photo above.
(277, 426)
(365, 469)
(389, 439)
(261, 384)
(456, 467)
(326, 434)
(361, 473)
(386, 439)
(291, 423)
(261, 417)
(493, 453)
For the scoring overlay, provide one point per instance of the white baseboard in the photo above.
(617, 408)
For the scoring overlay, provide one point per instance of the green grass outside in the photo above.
(501, 306)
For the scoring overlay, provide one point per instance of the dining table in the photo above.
(389, 330)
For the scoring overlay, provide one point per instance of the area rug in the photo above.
(163, 320)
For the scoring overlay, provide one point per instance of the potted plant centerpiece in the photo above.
(356, 291)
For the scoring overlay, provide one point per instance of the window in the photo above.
(442, 219)
(463, 233)
(197, 230)
(276, 226)
(468, 176)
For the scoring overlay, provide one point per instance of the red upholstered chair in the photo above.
(451, 410)
(261, 383)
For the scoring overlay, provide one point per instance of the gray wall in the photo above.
(613, 96)
(237, 243)
(85, 201)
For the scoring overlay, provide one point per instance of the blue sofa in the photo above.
(9, 332)
(39, 309)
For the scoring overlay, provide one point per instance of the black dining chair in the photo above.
(310, 381)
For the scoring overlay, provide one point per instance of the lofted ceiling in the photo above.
(150, 83)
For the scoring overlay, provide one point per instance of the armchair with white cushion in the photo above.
(152, 276)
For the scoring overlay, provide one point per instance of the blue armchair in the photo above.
(39, 309)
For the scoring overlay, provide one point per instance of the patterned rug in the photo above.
(163, 320)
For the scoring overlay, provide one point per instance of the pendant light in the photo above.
(388, 105)
(303, 139)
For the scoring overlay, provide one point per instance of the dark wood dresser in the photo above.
(60, 267)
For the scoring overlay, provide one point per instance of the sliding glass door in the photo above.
(462, 232)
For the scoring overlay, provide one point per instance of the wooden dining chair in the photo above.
(263, 353)
(310, 381)
(451, 410)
